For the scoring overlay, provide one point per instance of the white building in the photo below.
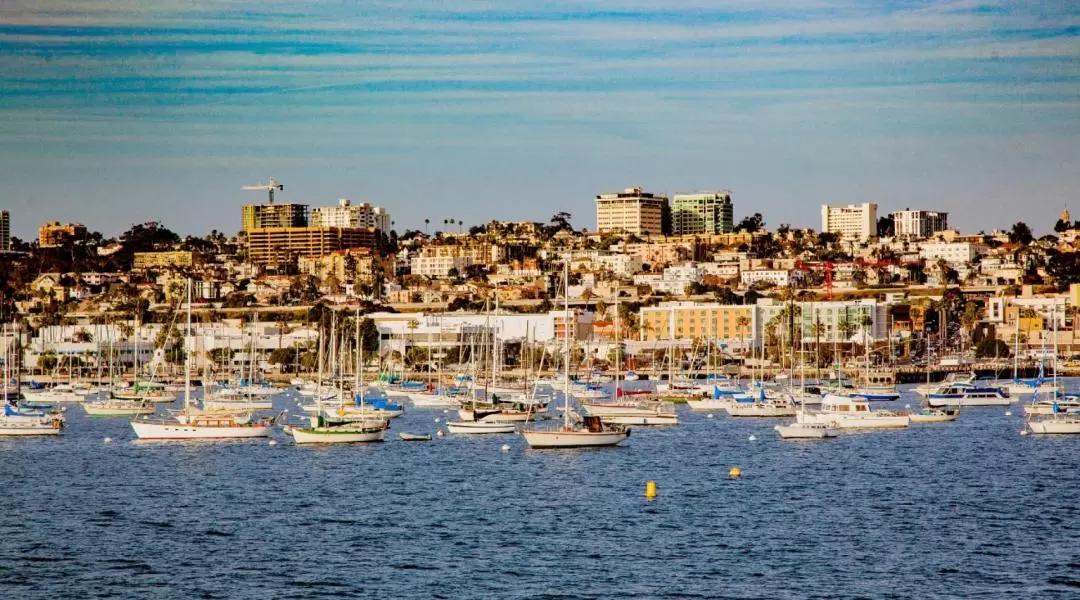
(622, 265)
(632, 210)
(854, 222)
(919, 224)
(347, 214)
(778, 277)
(954, 253)
(439, 266)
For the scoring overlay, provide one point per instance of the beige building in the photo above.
(733, 325)
(918, 224)
(54, 233)
(338, 264)
(262, 216)
(280, 246)
(854, 222)
(631, 210)
(163, 260)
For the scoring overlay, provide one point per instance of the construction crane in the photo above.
(266, 187)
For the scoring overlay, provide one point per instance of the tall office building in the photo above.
(854, 222)
(5, 231)
(918, 224)
(631, 210)
(702, 212)
(347, 214)
(260, 216)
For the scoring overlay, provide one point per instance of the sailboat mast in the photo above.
(356, 376)
(566, 342)
(187, 353)
(618, 346)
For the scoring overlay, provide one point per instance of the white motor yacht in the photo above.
(855, 413)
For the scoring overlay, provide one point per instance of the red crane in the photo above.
(826, 266)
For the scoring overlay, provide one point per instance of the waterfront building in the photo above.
(918, 224)
(854, 222)
(631, 211)
(710, 212)
(347, 214)
(54, 233)
(265, 216)
(840, 321)
(282, 246)
(5, 231)
(733, 325)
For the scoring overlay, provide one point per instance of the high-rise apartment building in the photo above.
(5, 231)
(918, 224)
(631, 210)
(347, 214)
(854, 222)
(260, 216)
(54, 233)
(707, 212)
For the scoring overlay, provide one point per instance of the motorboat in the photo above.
(761, 404)
(951, 378)
(968, 394)
(935, 415)
(855, 413)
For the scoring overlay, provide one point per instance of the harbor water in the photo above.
(969, 509)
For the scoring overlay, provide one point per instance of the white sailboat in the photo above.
(592, 432)
(1060, 421)
(14, 422)
(191, 425)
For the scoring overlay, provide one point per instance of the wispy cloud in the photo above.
(431, 91)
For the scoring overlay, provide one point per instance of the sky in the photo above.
(121, 111)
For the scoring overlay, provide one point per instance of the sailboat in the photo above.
(193, 425)
(591, 432)
(625, 409)
(16, 422)
(1060, 421)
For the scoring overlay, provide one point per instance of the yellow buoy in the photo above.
(735, 472)
(650, 489)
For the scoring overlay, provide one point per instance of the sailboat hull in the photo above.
(1056, 426)
(335, 435)
(649, 420)
(146, 430)
(480, 427)
(574, 439)
(806, 431)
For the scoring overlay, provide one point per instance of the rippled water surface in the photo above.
(960, 510)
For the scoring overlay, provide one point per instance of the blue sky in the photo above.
(117, 111)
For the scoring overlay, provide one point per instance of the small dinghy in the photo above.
(414, 437)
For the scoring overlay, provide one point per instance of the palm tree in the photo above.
(426, 223)
(742, 323)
